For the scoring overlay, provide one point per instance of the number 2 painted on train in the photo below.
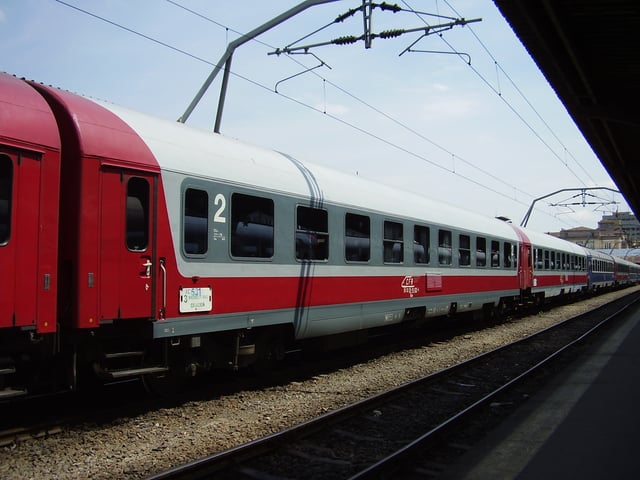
(221, 202)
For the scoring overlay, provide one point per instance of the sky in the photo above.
(463, 115)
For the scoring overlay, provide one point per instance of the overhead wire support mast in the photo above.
(225, 60)
(367, 8)
(525, 220)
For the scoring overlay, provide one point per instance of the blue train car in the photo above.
(600, 270)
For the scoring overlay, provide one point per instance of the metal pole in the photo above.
(223, 94)
(525, 220)
(226, 58)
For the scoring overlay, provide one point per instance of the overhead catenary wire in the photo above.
(363, 102)
(334, 117)
(498, 91)
(370, 106)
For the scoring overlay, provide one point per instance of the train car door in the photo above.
(127, 238)
(27, 283)
(525, 267)
(525, 260)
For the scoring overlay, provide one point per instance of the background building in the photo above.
(617, 234)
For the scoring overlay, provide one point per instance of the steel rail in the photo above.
(391, 461)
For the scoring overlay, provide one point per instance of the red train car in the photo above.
(29, 192)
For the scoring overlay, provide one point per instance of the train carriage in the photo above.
(626, 272)
(559, 267)
(29, 192)
(255, 248)
(601, 270)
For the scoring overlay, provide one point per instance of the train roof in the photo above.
(624, 261)
(549, 241)
(598, 254)
(25, 116)
(201, 153)
(98, 132)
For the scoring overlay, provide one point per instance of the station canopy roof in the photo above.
(589, 52)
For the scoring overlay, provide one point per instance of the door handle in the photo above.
(164, 288)
(147, 265)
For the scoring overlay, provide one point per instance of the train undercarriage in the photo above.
(123, 350)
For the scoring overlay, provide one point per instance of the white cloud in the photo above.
(452, 106)
(334, 108)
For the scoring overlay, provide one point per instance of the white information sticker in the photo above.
(196, 300)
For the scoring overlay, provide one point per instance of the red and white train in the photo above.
(136, 246)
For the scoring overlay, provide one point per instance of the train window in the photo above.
(137, 215)
(6, 183)
(196, 222)
(357, 238)
(546, 260)
(464, 250)
(251, 226)
(509, 260)
(421, 244)
(538, 258)
(481, 252)
(444, 247)
(495, 253)
(312, 234)
(393, 242)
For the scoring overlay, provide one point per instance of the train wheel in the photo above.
(500, 311)
(271, 352)
(489, 312)
(174, 380)
(166, 384)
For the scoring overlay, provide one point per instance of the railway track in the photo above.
(15, 435)
(431, 418)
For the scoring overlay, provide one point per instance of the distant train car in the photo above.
(626, 272)
(601, 270)
(559, 267)
(149, 248)
(634, 273)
